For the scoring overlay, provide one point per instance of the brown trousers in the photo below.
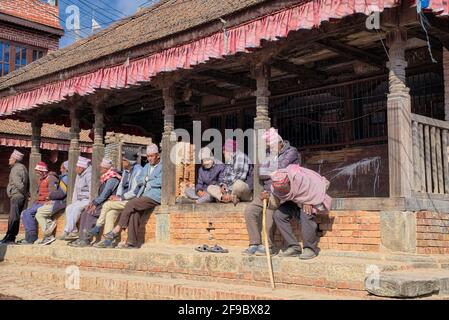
(132, 214)
(253, 219)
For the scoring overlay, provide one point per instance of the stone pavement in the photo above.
(14, 287)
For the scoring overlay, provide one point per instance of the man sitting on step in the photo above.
(210, 174)
(56, 204)
(280, 154)
(128, 188)
(48, 183)
(109, 181)
(237, 181)
(80, 199)
(149, 196)
(301, 193)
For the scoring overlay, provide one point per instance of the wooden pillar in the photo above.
(261, 72)
(35, 156)
(98, 148)
(446, 81)
(169, 168)
(74, 150)
(400, 151)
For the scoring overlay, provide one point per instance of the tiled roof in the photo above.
(50, 131)
(162, 20)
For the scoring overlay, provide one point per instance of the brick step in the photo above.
(330, 272)
(120, 286)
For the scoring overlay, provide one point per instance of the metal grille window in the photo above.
(4, 58)
(427, 92)
(333, 116)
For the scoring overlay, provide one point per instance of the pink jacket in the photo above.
(306, 187)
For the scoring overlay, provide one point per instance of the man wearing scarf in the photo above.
(301, 193)
(17, 191)
(80, 199)
(210, 174)
(127, 189)
(149, 196)
(109, 181)
(279, 155)
(56, 204)
(48, 183)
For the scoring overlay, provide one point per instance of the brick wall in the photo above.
(340, 230)
(30, 38)
(32, 10)
(446, 82)
(432, 230)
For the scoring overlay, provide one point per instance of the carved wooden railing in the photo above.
(430, 155)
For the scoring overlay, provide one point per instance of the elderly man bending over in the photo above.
(280, 154)
(301, 193)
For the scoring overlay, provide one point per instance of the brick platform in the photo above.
(167, 272)
(348, 230)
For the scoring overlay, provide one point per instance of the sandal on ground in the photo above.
(218, 249)
(203, 248)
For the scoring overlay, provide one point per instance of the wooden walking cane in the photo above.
(267, 246)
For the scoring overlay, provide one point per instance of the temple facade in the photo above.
(360, 88)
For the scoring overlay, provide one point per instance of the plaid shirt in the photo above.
(236, 169)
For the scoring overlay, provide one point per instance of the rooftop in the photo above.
(162, 20)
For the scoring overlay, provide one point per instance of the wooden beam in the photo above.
(419, 34)
(136, 108)
(303, 72)
(212, 90)
(240, 81)
(352, 52)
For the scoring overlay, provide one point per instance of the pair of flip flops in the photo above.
(214, 249)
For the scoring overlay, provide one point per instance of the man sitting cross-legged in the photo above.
(127, 190)
(237, 180)
(80, 199)
(109, 181)
(48, 183)
(301, 193)
(56, 204)
(149, 196)
(210, 174)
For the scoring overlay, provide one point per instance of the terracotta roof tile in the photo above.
(159, 21)
(51, 131)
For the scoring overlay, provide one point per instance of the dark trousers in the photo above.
(30, 223)
(87, 222)
(132, 214)
(17, 205)
(282, 218)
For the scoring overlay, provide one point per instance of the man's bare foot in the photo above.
(226, 198)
